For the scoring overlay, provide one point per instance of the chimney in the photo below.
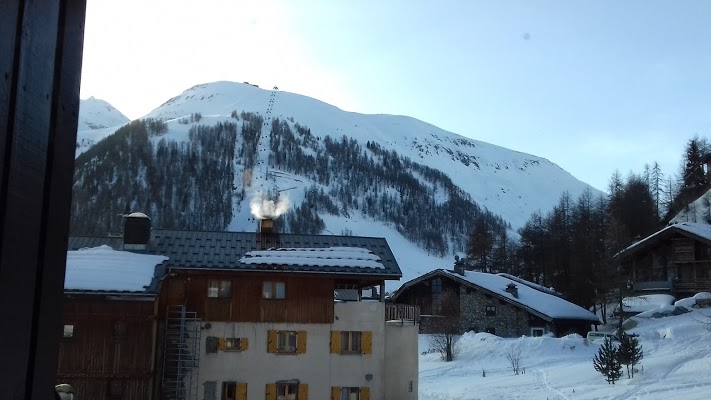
(136, 231)
(266, 225)
(511, 288)
(458, 265)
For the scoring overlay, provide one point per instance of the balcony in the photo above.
(402, 312)
(699, 285)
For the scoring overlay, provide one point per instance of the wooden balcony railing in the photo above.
(699, 285)
(404, 312)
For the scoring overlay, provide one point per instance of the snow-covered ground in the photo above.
(676, 365)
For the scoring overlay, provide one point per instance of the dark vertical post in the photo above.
(41, 44)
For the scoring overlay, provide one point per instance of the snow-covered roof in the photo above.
(699, 230)
(104, 269)
(544, 303)
(353, 257)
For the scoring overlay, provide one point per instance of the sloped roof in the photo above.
(542, 304)
(103, 269)
(694, 230)
(238, 250)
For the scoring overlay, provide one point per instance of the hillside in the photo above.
(208, 158)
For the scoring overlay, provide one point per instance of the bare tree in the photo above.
(446, 307)
(514, 358)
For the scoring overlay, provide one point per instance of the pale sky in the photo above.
(593, 86)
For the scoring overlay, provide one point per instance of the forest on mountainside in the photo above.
(191, 184)
(572, 247)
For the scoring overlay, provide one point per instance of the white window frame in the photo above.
(284, 339)
(542, 330)
(287, 391)
(350, 393)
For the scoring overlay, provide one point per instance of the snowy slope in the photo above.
(677, 356)
(97, 119)
(697, 211)
(507, 182)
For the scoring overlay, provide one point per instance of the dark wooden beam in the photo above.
(41, 43)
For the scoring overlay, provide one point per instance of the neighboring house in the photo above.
(276, 316)
(108, 345)
(500, 304)
(674, 260)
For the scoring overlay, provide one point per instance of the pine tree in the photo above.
(607, 362)
(629, 353)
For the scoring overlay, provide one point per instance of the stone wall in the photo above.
(509, 321)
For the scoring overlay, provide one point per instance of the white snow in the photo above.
(545, 303)
(105, 269)
(97, 119)
(506, 182)
(327, 257)
(677, 357)
(638, 304)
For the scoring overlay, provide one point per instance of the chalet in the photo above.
(273, 316)
(108, 345)
(675, 260)
(500, 304)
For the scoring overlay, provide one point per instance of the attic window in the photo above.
(68, 331)
(490, 311)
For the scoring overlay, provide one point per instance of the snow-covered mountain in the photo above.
(507, 182)
(446, 167)
(97, 119)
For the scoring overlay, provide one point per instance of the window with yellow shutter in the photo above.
(350, 393)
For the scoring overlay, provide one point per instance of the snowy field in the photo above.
(676, 365)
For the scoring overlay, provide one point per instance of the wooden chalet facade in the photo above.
(253, 316)
(674, 260)
(462, 301)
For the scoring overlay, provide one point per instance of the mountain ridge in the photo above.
(343, 172)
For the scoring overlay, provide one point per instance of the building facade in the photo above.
(269, 316)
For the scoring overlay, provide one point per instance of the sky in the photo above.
(592, 86)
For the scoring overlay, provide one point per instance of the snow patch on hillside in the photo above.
(97, 119)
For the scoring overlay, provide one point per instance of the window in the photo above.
(232, 344)
(219, 289)
(229, 390)
(273, 290)
(120, 330)
(490, 311)
(350, 393)
(436, 286)
(350, 342)
(68, 331)
(286, 342)
(537, 332)
(287, 391)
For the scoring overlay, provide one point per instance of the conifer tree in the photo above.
(630, 353)
(607, 362)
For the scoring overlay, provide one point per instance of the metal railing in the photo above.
(404, 312)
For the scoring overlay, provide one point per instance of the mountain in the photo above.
(219, 153)
(97, 119)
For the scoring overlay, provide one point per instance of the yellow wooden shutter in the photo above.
(243, 343)
(271, 391)
(364, 393)
(335, 341)
(241, 391)
(221, 343)
(335, 393)
(366, 342)
(303, 392)
(301, 342)
(272, 342)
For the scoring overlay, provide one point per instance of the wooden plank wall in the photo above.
(308, 299)
(94, 356)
